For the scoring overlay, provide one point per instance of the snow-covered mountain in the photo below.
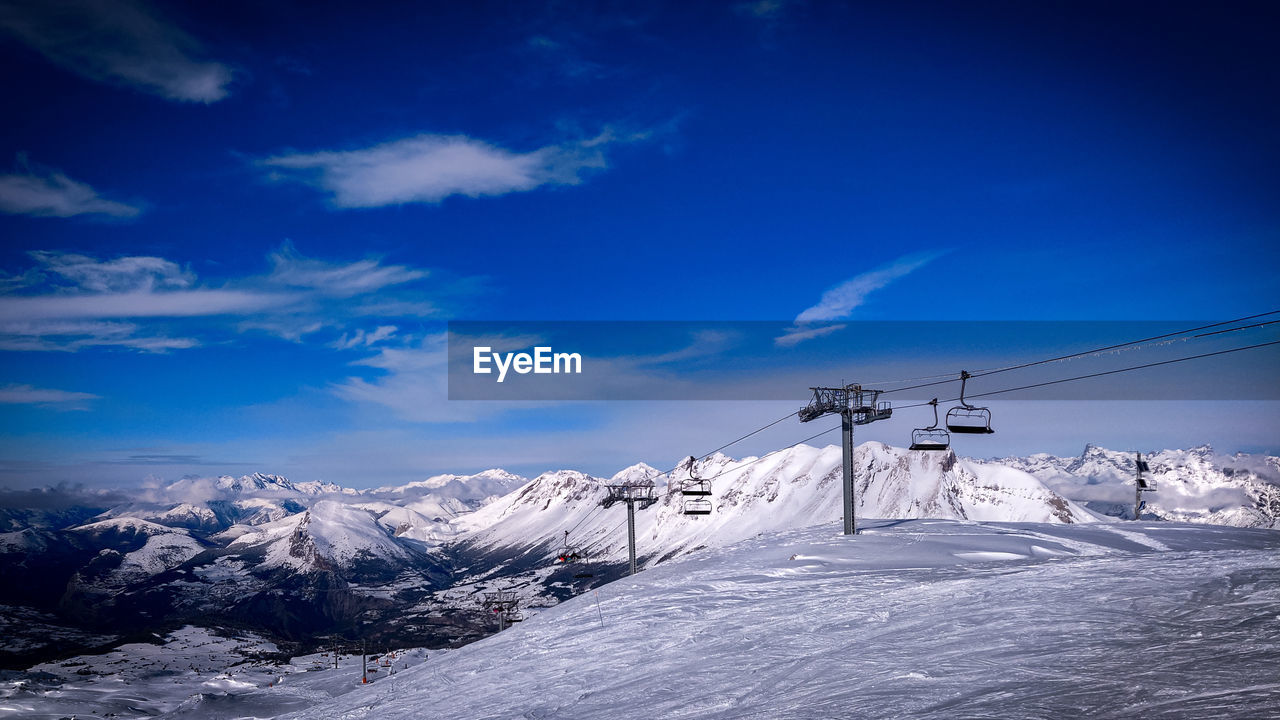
(302, 558)
(797, 487)
(1196, 485)
(471, 489)
(327, 536)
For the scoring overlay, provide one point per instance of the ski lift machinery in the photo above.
(967, 419)
(932, 437)
(695, 492)
(573, 554)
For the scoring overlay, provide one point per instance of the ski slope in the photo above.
(912, 618)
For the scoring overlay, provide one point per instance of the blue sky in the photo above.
(233, 232)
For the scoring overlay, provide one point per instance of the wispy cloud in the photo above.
(798, 334)
(125, 274)
(48, 193)
(70, 336)
(429, 168)
(118, 41)
(292, 269)
(72, 301)
(840, 301)
(415, 386)
(61, 399)
(362, 339)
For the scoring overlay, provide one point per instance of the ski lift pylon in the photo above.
(932, 437)
(967, 419)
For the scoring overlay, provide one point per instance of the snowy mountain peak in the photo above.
(638, 474)
(256, 482)
(473, 490)
(328, 535)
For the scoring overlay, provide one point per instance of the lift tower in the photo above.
(642, 493)
(1141, 485)
(856, 406)
(503, 603)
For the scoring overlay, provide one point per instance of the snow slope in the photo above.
(912, 618)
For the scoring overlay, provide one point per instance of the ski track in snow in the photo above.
(920, 619)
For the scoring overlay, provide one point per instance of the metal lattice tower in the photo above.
(855, 406)
(1141, 485)
(631, 494)
(504, 603)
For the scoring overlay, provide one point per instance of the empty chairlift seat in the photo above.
(932, 437)
(967, 419)
(697, 507)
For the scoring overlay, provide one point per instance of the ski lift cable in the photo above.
(586, 517)
(986, 394)
(1105, 372)
(682, 463)
(619, 526)
(1117, 346)
(744, 437)
(1237, 329)
(726, 445)
(772, 452)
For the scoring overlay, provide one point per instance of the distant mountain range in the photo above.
(310, 559)
(1196, 485)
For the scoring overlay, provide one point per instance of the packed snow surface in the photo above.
(911, 618)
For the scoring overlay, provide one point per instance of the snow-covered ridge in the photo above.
(327, 534)
(797, 487)
(1195, 485)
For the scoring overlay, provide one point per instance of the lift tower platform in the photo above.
(856, 406)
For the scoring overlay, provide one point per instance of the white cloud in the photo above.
(798, 334)
(28, 395)
(71, 301)
(141, 304)
(52, 194)
(292, 269)
(361, 339)
(840, 301)
(70, 336)
(124, 274)
(416, 386)
(119, 41)
(429, 168)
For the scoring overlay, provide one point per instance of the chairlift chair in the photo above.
(695, 491)
(696, 487)
(932, 437)
(967, 419)
(697, 507)
(569, 553)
